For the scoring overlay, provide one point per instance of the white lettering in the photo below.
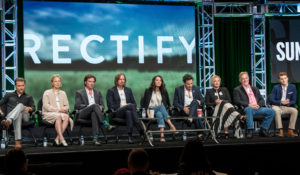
(160, 49)
(57, 49)
(189, 49)
(32, 50)
(83, 49)
(119, 39)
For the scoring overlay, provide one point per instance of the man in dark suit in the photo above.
(282, 99)
(90, 105)
(251, 100)
(121, 100)
(188, 98)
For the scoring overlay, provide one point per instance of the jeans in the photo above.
(161, 113)
(267, 112)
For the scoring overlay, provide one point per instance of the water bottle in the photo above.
(184, 136)
(81, 140)
(144, 113)
(151, 136)
(4, 135)
(2, 143)
(45, 144)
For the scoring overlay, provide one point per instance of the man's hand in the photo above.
(186, 110)
(199, 102)
(218, 101)
(28, 109)
(286, 102)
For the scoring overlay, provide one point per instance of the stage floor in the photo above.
(252, 155)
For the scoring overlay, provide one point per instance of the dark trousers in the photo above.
(94, 113)
(129, 113)
(193, 113)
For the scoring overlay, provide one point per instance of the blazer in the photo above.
(82, 101)
(113, 98)
(240, 96)
(291, 93)
(210, 96)
(178, 100)
(148, 95)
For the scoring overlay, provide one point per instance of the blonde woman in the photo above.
(219, 98)
(55, 109)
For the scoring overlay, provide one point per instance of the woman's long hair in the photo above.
(162, 88)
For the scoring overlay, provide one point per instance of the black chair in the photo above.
(29, 125)
(117, 122)
(85, 123)
(45, 124)
(284, 117)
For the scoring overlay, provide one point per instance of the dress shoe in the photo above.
(291, 133)
(263, 133)
(280, 133)
(97, 142)
(130, 140)
(111, 128)
(5, 124)
(249, 134)
(64, 143)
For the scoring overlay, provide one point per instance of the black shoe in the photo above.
(130, 141)
(188, 123)
(263, 133)
(249, 134)
(96, 142)
(111, 128)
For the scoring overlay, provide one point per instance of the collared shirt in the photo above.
(251, 96)
(122, 96)
(283, 97)
(90, 97)
(156, 99)
(188, 97)
(12, 99)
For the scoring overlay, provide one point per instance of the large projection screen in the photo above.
(284, 39)
(73, 39)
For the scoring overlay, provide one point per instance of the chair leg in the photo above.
(104, 134)
(69, 135)
(34, 139)
(79, 134)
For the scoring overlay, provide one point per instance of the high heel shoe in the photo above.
(226, 136)
(64, 143)
(243, 119)
(162, 139)
(174, 129)
(56, 143)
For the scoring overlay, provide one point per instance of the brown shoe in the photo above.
(280, 133)
(18, 144)
(291, 133)
(5, 124)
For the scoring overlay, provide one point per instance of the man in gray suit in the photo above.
(89, 103)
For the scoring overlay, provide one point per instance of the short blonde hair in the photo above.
(242, 73)
(214, 77)
(54, 76)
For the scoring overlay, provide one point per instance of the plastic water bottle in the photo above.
(2, 143)
(184, 137)
(45, 144)
(144, 113)
(81, 140)
(151, 136)
(4, 135)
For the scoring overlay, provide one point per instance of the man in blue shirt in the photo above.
(282, 99)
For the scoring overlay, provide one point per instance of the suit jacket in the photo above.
(113, 98)
(211, 97)
(240, 96)
(178, 100)
(148, 96)
(291, 93)
(82, 101)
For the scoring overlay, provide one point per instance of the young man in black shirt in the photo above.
(17, 105)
